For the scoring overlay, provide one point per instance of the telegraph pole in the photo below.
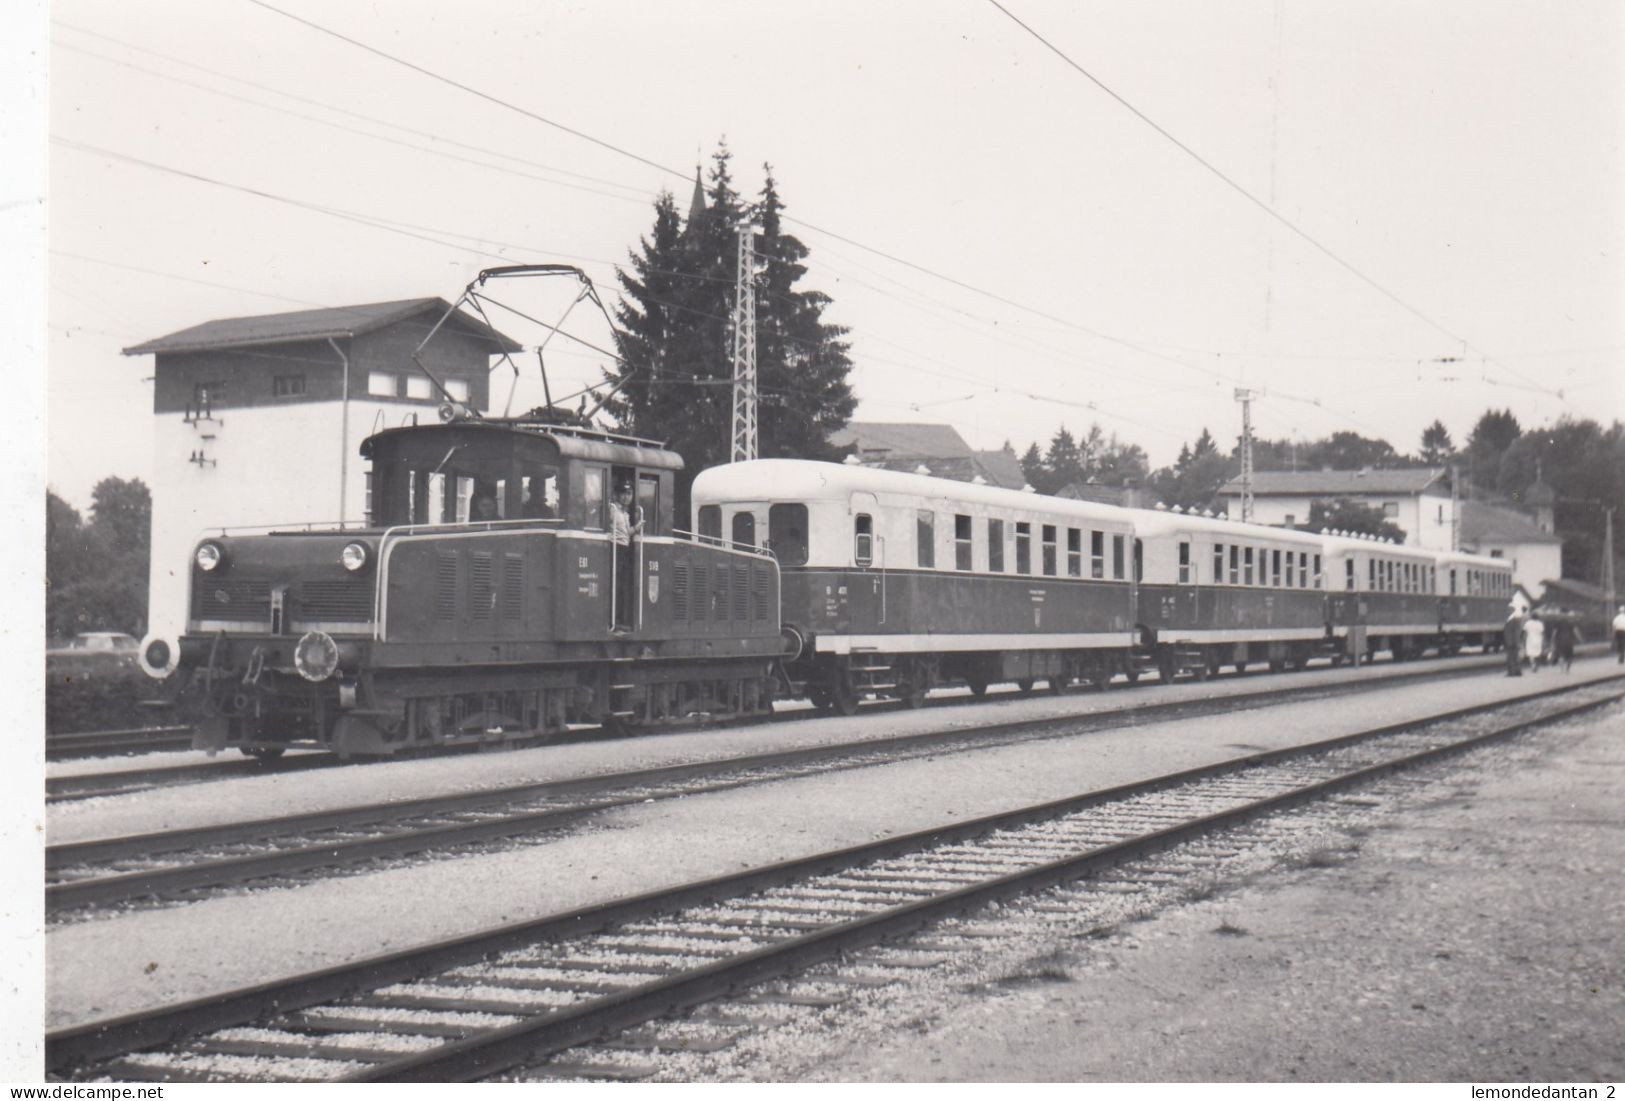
(1246, 396)
(743, 448)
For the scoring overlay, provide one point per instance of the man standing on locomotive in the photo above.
(625, 525)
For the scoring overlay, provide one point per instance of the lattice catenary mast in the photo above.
(1246, 396)
(744, 419)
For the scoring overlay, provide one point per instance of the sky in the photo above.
(1374, 215)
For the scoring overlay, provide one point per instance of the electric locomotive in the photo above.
(478, 604)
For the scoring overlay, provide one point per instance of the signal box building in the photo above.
(258, 421)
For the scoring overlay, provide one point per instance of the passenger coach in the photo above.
(896, 582)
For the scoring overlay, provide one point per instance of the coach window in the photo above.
(787, 534)
(1370, 575)
(1319, 575)
(710, 522)
(995, 546)
(1117, 558)
(1097, 554)
(1074, 552)
(1275, 568)
(1024, 547)
(1139, 561)
(925, 539)
(1246, 565)
(863, 539)
(744, 529)
(1049, 550)
(1184, 563)
(1348, 570)
(1218, 563)
(962, 542)
(1303, 569)
(1235, 564)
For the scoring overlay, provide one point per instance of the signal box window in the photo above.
(420, 388)
(744, 529)
(995, 545)
(710, 522)
(288, 386)
(1049, 550)
(962, 543)
(863, 539)
(1185, 564)
(457, 388)
(1117, 558)
(787, 533)
(925, 539)
(1097, 554)
(1024, 547)
(1074, 552)
(381, 384)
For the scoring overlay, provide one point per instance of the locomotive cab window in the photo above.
(648, 502)
(744, 529)
(863, 539)
(787, 533)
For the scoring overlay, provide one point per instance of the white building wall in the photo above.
(271, 465)
(1532, 563)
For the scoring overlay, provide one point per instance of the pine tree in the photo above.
(1437, 447)
(676, 335)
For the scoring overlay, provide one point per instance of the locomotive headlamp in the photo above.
(353, 556)
(316, 656)
(209, 557)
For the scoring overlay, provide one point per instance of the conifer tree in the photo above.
(676, 334)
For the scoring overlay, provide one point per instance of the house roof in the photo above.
(1584, 590)
(302, 325)
(1339, 483)
(902, 441)
(1481, 524)
(1001, 468)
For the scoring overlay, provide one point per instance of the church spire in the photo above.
(696, 205)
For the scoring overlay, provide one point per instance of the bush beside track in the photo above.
(82, 697)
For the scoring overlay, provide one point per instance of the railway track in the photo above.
(127, 781)
(556, 997)
(188, 863)
(106, 743)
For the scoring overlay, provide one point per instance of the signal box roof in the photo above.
(303, 325)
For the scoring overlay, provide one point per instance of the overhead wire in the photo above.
(1268, 210)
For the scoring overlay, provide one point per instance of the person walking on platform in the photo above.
(1563, 642)
(1534, 641)
(1512, 643)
